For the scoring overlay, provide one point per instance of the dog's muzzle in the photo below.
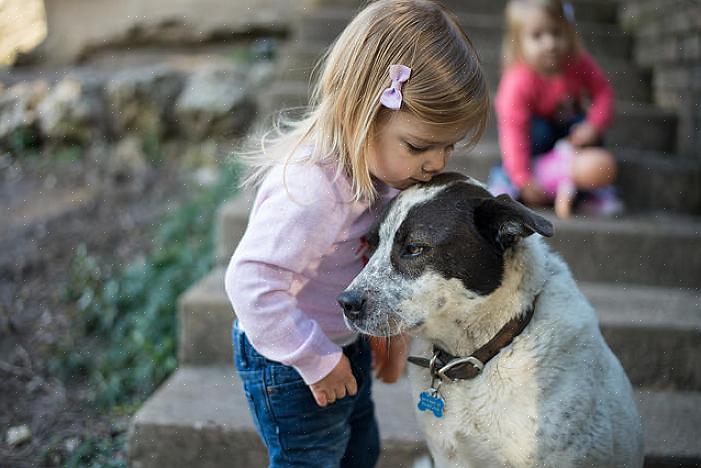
(353, 303)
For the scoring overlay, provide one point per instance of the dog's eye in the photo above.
(414, 250)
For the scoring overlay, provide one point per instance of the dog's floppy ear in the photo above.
(505, 222)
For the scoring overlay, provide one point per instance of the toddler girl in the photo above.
(547, 75)
(398, 89)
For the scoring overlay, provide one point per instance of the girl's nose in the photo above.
(549, 41)
(435, 161)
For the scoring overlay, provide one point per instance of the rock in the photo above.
(71, 444)
(73, 110)
(18, 113)
(115, 24)
(261, 75)
(216, 101)
(18, 435)
(141, 101)
(127, 168)
(23, 26)
(206, 176)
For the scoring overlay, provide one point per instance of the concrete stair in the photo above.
(600, 11)
(640, 271)
(665, 322)
(484, 29)
(199, 417)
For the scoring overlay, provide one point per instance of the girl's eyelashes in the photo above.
(415, 149)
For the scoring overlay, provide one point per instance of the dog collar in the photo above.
(451, 368)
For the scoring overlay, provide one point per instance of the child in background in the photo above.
(398, 89)
(547, 75)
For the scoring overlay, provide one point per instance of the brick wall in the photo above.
(668, 40)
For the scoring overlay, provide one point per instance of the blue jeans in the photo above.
(545, 133)
(298, 432)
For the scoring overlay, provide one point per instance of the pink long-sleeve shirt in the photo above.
(523, 93)
(302, 247)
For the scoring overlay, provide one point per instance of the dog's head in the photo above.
(440, 246)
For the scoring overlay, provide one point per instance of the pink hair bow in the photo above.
(392, 96)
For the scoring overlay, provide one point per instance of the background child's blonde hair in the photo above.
(515, 17)
(446, 87)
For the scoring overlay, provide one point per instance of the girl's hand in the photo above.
(583, 134)
(336, 385)
(533, 194)
(389, 357)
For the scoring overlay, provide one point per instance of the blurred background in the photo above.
(119, 205)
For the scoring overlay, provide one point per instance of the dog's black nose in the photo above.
(353, 303)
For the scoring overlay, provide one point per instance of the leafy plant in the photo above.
(124, 340)
(23, 140)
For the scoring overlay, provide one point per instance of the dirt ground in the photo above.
(47, 209)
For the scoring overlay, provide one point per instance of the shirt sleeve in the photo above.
(295, 221)
(513, 116)
(600, 113)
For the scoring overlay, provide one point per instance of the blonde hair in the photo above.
(515, 14)
(446, 87)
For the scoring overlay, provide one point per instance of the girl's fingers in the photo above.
(330, 396)
(320, 398)
(352, 387)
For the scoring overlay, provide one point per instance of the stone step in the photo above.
(200, 417)
(636, 125)
(657, 248)
(297, 60)
(647, 180)
(484, 30)
(664, 322)
(601, 11)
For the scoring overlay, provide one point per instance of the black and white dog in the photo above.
(512, 366)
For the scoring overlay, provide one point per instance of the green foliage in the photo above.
(69, 154)
(98, 452)
(261, 49)
(23, 140)
(151, 146)
(106, 451)
(124, 340)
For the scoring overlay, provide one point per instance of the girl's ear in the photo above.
(505, 222)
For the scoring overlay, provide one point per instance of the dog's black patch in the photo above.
(463, 233)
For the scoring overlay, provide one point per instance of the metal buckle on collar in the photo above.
(476, 363)
(432, 364)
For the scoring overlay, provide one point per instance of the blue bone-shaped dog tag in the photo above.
(429, 402)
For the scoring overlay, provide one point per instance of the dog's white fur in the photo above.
(556, 397)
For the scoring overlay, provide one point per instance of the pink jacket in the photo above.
(303, 246)
(523, 93)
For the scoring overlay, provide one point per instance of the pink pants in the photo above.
(553, 169)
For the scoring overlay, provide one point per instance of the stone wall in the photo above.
(186, 101)
(668, 40)
(77, 27)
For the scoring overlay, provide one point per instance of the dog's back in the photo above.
(590, 411)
